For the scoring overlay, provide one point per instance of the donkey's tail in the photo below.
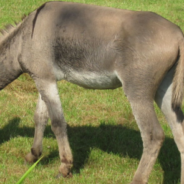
(178, 81)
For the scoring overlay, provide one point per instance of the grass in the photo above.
(22, 179)
(103, 134)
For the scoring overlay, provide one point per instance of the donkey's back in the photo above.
(100, 48)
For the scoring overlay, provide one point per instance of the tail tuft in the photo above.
(178, 81)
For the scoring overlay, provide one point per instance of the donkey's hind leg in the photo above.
(49, 94)
(152, 137)
(40, 118)
(141, 98)
(175, 117)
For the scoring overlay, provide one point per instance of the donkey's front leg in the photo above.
(40, 118)
(49, 94)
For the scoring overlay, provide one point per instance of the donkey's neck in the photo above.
(10, 52)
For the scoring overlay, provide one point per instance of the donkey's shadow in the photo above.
(114, 139)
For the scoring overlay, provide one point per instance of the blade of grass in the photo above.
(28, 171)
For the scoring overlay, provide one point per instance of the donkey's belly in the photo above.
(92, 80)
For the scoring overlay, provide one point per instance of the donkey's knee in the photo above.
(41, 118)
(151, 131)
(153, 139)
(58, 126)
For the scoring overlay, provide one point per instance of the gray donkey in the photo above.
(99, 48)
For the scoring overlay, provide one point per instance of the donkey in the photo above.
(99, 48)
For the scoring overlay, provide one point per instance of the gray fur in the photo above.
(99, 48)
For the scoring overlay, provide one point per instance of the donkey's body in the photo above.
(99, 48)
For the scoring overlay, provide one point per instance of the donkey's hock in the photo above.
(99, 48)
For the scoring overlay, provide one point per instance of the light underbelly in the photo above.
(91, 80)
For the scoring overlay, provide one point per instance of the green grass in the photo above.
(103, 134)
(22, 179)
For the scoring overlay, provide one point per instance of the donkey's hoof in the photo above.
(30, 158)
(65, 170)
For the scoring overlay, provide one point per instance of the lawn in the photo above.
(103, 134)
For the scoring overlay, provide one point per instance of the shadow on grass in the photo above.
(114, 139)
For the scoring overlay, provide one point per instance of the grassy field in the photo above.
(103, 134)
